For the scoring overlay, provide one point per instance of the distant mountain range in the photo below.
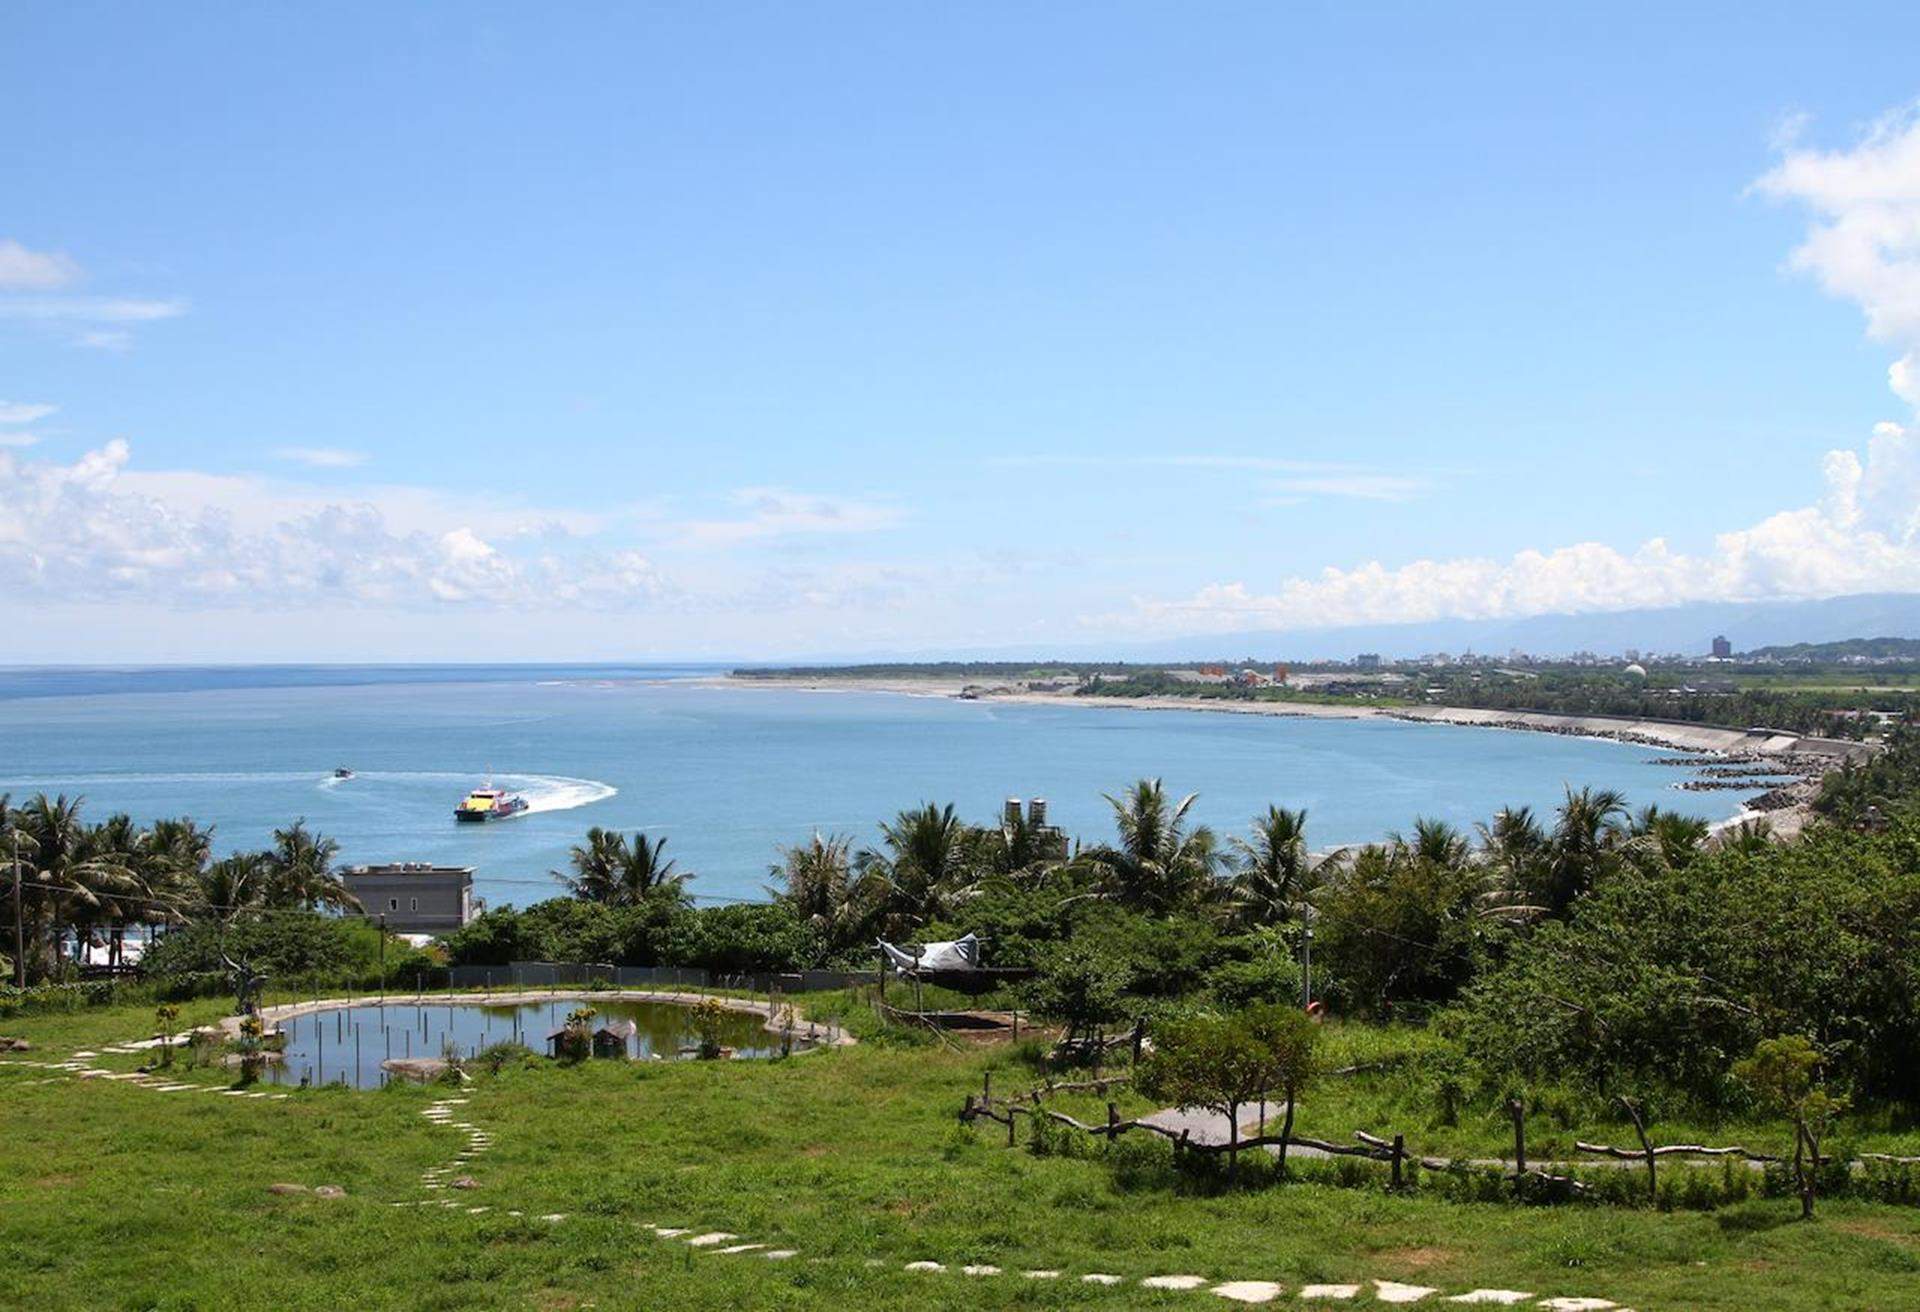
(1872, 649)
(1688, 630)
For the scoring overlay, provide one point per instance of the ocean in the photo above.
(728, 773)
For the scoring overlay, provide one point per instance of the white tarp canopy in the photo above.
(960, 954)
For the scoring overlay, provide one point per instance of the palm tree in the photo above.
(1435, 841)
(300, 873)
(1750, 837)
(1273, 872)
(925, 869)
(230, 887)
(817, 882)
(66, 874)
(607, 870)
(1585, 846)
(120, 848)
(1513, 856)
(1673, 838)
(1158, 864)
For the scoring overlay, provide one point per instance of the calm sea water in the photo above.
(727, 774)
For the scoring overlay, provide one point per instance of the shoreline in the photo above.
(1786, 807)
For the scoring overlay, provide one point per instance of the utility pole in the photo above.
(19, 917)
(1306, 967)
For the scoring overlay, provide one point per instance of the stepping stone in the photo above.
(925, 1266)
(1505, 1296)
(1577, 1304)
(740, 1248)
(711, 1238)
(516, 1213)
(1173, 1282)
(1248, 1291)
(86, 1054)
(1041, 1275)
(1341, 1292)
(1099, 1278)
(475, 1211)
(554, 1216)
(1392, 1291)
(980, 1270)
(234, 1093)
(780, 1254)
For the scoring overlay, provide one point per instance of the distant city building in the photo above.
(1722, 649)
(413, 897)
(1367, 660)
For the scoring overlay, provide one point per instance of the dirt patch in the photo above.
(1416, 1259)
(1878, 1230)
(56, 1181)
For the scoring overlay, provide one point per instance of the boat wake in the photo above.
(555, 792)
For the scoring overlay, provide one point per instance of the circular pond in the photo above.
(351, 1045)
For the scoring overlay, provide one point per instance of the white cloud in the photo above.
(1298, 481)
(322, 457)
(91, 309)
(22, 412)
(26, 270)
(1359, 486)
(99, 322)
(95, 530)
(18, 437)
(773, 512)
(1865, 243)
(1863, 535)
(1860, 534)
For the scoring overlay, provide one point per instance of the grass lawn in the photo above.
(114, 1196)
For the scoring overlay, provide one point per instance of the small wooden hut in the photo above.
(615, 1039)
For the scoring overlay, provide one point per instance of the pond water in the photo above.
(348, 1044)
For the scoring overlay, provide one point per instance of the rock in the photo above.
(14, 1045)
(329, 1191)
(284, 1188)
(464, 1182)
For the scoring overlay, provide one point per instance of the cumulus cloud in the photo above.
(1861, 534)
(94, 530)
(771, 512)
(28, 270)
(322, 457)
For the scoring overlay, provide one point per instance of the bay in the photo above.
(728, 773)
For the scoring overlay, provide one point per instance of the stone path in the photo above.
(721, 1243)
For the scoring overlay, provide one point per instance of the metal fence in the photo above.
(580, 974)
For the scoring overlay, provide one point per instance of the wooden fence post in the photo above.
(1640, 1128)
(1113, 1119)
(1518, 1112)
(987, 1086)
(966, 1112)
(1009, 1125)
(1399, 1156)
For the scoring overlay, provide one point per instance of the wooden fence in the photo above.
(1391, 1151)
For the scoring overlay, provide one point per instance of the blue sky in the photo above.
(491, 331)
